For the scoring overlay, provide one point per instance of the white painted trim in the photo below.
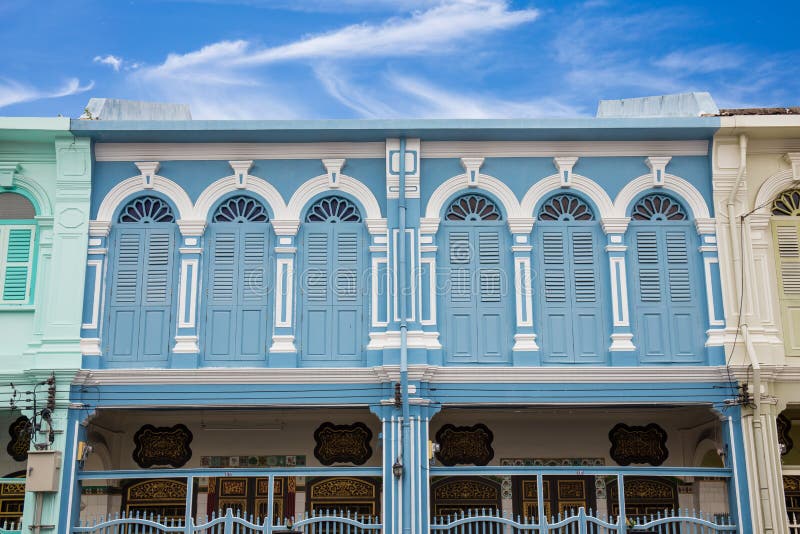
(715, 337)
(548, 149)
(413, 255)
(619, 286)
(553, 183)
(431, 321)
(190, 286)
(234, 151)
(90, 346)
(431, 373)
(417, 339)
(320, 184)
(120, 192)
(524, 292)
(685, 190)
(230, 184)
(375, 276)
(712, 312)
(622, 342)
(98, 283)
(283, 266)
(39, 194)
(525, 342)
(460, 182)
(186, 345)
(771, 188)
(284, 344)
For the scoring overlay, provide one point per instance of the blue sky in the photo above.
(286, 59)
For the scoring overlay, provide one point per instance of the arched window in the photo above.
(785, 231)
(474, 312)
(333, 283)
(17, 238)
(572, 306)
(140, 304)
(667, 295)
(236, 279)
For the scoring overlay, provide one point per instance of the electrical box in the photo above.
(44, 471)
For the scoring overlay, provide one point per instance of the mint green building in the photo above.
(44, 207)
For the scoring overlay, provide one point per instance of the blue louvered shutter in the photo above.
(17, 265)
(460, 322)
(316, 301)
(556, 336)
(589, 330)
(346, 298)
(140, 308)
(491, 306)
(237, 293)
(668, 313)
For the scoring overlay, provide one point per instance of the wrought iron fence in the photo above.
(10, 527)
(794, 523)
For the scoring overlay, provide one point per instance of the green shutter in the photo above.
(18, 263)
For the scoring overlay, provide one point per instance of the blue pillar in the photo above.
(738, 492)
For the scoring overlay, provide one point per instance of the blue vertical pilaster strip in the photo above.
(525, 351)
(738, 493)
(379, 308)
(390, 447)
(622, 345)
(70, 494)
(715, 327)
(185, 352)
(283, 350)
(93, 300)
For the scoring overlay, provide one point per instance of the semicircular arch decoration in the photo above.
(787, 203)
(333, 209)
(146, 209)
(471, 208)
(658, 207)
(565, 207)
(240, 209)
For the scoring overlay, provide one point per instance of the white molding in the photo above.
(524, 291)
(284, 344)
(285, 227)
(284, 266)
(188, 286)
(333, 166)
(525, 342)
(39, 194)
(229, 184)
(658, 166)
(147, 170)
(619, 286)
(553, 183)
(431, 261)
(99, 228)
(374, 297)
(564, 165)
(429, 225)
(241, 172)
(686, 191)
(186, 345)
(521, 225)
(615, 225)
(412, 174)
(546, 149)
(417, 339)
(414, 256)
(460, 182)
(239, 151)
(771, 188)
(376, 227)
(120, 192)
(317, 185)
(715, 337)
(90, 346)
(712, 311)
(98, 283)
(622, 342)
(793, 158)
(472, 167)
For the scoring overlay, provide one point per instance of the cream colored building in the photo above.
(756, 168)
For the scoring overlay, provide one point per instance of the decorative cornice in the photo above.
(287, 227)
(546, 149)
(8, 171)
(376, 226)
(234, 151)
(521, 225)
(793, 158)
(472, 167)
(705, 226)
(564, 165)
(658, 166)
(616, 225)
(99, 228)
(190, 228)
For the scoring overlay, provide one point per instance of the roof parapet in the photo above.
(695, 104)
(115, 109)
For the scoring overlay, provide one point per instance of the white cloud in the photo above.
(112, 61)
(435, 30)
(704, 60)
(14, 92)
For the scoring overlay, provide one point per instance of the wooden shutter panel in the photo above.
(156, 317)
(649, 272)
(317, 259)
(555, 288)
(460, 255)
(346, 284)
(124, 311)
(222, 286)
(18, 264)
(346, 312)
(786, 236)
(490, 277)
(158, 268)
(584, 266)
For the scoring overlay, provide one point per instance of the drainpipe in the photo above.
(731, 208)
(758, 434)
(402, 263)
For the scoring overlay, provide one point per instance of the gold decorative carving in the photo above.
(343, 443)
(465, 444)
(233, 487)
(467, 490)
(157, 490)
(638, 444)
(571, 489)
(162, 446)
(20, 442)
(342, 488)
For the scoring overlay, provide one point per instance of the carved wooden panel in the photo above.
(784, 427)
(465, 444)
(346, 494)
(454, 495)
(159, 497)
(162, 446)
(638, 444)
(20, 439)
(343, 443)
(644, 496)
(12, 499)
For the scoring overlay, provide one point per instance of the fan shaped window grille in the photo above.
(657, 207)
(566, 208)
(333, 210)
(787, 203)
(240, 209)
(147, 210)
(470, 208)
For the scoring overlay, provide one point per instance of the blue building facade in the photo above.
(407, 320)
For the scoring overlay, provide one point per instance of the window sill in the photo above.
(17, 308)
